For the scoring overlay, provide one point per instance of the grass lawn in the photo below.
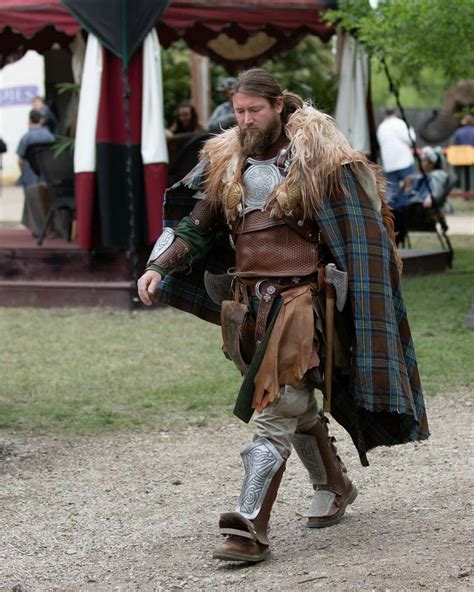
(89, 370)
(437, 308)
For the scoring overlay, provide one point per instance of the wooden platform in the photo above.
(422, 262)
(59, 273)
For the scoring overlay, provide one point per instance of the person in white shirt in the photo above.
(395, 141)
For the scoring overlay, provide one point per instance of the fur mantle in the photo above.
(317, 148)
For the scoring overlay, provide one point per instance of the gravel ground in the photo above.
(135, 511)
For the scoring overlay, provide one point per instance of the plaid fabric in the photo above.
(186, 290)
(385, 384)
(382, 401)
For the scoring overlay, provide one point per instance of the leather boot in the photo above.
(247, 540)
(333, 489)
(246, 528)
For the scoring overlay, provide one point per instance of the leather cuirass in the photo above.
(269, 247)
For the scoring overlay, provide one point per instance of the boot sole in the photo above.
(352, 497)
(229, 556)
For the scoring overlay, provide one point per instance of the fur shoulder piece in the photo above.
(318, 151)
(223, 154)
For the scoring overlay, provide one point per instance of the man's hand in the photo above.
(147, 285)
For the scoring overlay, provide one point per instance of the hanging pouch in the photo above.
(235, 317)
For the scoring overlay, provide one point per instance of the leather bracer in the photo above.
(172, 252)
(174, 256)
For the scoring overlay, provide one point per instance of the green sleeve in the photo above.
(200, 242)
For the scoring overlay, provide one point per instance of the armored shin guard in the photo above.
(327, 473)
(246, 528)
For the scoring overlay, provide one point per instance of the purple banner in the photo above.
(17, 95)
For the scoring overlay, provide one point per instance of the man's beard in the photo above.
(254, 142)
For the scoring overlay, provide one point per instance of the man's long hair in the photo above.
(259, 82)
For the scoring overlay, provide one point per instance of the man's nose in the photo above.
(248, 119)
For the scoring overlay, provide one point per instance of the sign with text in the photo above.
(17, 95)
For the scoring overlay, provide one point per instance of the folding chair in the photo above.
(420, 219)
(58, 174)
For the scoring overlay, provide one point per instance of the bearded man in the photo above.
(289, 194)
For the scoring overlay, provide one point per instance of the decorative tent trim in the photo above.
(40, 24)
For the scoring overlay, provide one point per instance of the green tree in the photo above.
(412, 35)
(429, 91)
(308, 70)
(176, 78)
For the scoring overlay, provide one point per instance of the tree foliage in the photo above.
(176, 78)
(413, 34)
(309, 71)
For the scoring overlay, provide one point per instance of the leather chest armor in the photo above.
(265, 246)
(269, 247)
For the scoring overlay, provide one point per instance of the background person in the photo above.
(36, 134)
(186, 120)
(48, 116)
(419, 191)
(434, 186)
(223, 115)
(461, 152)
(36, 202)
(395, 142)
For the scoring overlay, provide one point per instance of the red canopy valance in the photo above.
(234, 33)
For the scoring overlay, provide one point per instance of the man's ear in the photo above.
(279, 104)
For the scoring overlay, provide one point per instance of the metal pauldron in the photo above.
(261, 461)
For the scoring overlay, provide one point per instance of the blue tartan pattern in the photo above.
(385, 378)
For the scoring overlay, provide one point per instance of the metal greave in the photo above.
(261, 461)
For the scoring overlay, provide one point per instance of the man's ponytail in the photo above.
(291, 103)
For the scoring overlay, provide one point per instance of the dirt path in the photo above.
(139, 512)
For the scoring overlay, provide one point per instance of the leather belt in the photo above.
(266, 290)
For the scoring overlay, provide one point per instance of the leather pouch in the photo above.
(233, 318)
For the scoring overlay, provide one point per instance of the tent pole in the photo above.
(132, 241)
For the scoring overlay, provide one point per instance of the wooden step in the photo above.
(422, 262)
(47, 294)
(22, 259)
(51, 264)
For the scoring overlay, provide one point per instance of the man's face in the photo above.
(259, 122)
